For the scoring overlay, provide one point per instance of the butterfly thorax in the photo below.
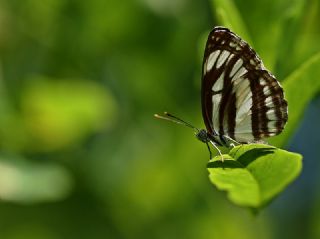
(220, 140)
(203, 136)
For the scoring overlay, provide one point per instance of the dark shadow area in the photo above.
(251, 155)
(243, 161)
(225, 164)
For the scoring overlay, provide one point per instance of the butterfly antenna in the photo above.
(175, 119)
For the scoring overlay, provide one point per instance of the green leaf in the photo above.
(300, 88)
(254, 174)
(291, 27)
(229, 16)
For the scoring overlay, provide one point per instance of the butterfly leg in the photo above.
(215, 146)
(210, 153)
(230, 141)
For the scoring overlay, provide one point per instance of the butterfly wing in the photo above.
(240, 98)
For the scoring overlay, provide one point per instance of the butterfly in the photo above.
(242, 102)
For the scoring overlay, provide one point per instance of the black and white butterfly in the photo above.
(242, 101)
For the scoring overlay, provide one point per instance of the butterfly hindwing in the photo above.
(240, 98)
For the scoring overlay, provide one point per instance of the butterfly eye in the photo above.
(203, 136)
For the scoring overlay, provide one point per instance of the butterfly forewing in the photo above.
(240, 98)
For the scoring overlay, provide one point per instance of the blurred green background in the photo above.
(81, 155)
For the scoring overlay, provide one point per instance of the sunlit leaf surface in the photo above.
(254, 174)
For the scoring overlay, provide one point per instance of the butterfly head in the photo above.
(202, 135)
